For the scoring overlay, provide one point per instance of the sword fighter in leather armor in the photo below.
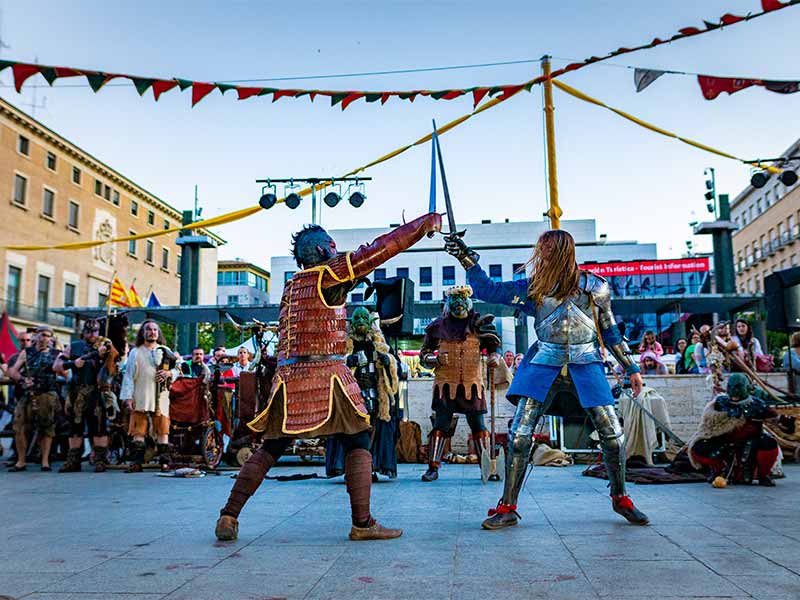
(453, 346)
(574, 323)
(314, 394)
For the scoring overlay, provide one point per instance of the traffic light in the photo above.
(711, 190)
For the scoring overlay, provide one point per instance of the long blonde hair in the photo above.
(554, 270)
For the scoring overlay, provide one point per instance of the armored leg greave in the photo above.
(436, 448)
(529, 411)
(358, 479)
(249, 478)
(612, 441)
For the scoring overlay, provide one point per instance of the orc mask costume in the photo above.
(460, 336)
(313, 392)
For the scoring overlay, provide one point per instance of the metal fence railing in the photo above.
(35, 313)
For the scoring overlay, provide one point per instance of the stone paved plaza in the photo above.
(136, 537)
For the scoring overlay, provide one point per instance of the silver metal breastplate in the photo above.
(566, 332)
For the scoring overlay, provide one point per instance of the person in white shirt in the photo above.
(242, 363)
(749, 346)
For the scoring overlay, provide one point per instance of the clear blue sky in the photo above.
(636, 184)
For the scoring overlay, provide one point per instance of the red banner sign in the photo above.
(648, 267)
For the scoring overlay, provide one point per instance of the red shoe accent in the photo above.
(622, 502)
(502, 509)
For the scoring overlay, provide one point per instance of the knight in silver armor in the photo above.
(575, 326)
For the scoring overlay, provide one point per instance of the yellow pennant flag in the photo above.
(119, 295)
(133, 297)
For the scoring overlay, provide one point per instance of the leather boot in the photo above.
(164, 453)
(505, 515)
(623, 505)
(375, 531)
(136, 457)
(227, 528)
(435, 450)
(73, 462)
(100, 459)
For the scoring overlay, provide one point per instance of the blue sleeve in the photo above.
(510, 293)
(612, 336)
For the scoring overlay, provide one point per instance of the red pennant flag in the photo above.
(248, 92)
(351, 97)
(162, 85)
(770, 5)
(200, 90)
(452, 94)
(312, 95)
(478, 95)
(281, 93)
(729, 19)
(67, 72)
(656, 42)
(714, 86)
(385, 97)
(510, 90)
(689, 31)
(22, 72)
(573, 66)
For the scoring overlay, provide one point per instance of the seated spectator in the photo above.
(243, 361)
(508, 357)
(700, 351)
(749, 346)
(680, 357)
(649, 344)
(651, 364)
(688, 355)
(793, 353)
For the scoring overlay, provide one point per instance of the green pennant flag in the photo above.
(373, 97)
(336, 98)
(142, 84)
(184, 84)
(96, 79)
(4, 64)
(267, 91)
(224, 87)
(49, 73)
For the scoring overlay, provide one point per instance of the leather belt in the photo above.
(306, 358)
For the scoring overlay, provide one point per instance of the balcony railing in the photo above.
(34, 313)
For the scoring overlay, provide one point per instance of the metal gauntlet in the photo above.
(622, 353)
(456, 247)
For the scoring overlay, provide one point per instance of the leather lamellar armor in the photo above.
(567, 329)
(462, 367)
(312, 334)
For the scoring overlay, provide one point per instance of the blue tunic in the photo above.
(534, 380)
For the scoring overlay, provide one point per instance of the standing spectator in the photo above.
(218, 356)
(508, 357)
(749, 346)
(242, 363)
(517, 360)
(688, 355)
(680, 356)
(197, 366)
(651, 364)
(145, 390)
(37, 407)
(650, 344)
(794, 349)
(700, 351)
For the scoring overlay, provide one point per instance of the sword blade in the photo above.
(451, 220)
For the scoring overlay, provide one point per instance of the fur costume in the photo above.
(388, 381)
(713, 423)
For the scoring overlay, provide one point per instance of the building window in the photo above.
(115, 198)
(756, 283)
(519, 271)
(756, 252)
(13, 286)
(24, 145)
(287, 275)
(107, 193)
(73, 215)
(69, 300)
(151, 217)
(102, 299)
(165, 259)
(767, 201)
(98, 188)
(425, 276)
(379, 274)
(357, 298)
(42, 296)
(423, 296)
(448, 275)
(166, 224)
(20, 189)
(132, 244)
(777, 192)
(48, 203)
(758, 203)
(178, 265)
(76, 175)
(402, 272)
(791, 225)
(50, 161)
(496, 273)
(134, 208)
(233, 300)
(148, 253)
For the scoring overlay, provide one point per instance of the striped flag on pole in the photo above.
(133, 297)
(119, 295)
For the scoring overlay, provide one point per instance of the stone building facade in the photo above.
(51, 192)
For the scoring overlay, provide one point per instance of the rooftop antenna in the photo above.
(34, 105)
(3, 44)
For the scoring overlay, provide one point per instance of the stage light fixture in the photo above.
(331, 199)
(268, 197)
(759, 179)
(293, 200)
(356, 199)
(788, 178)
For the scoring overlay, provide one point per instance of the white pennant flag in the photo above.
(644, 77)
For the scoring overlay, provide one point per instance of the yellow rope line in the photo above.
(251, 210)
(586, 98)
